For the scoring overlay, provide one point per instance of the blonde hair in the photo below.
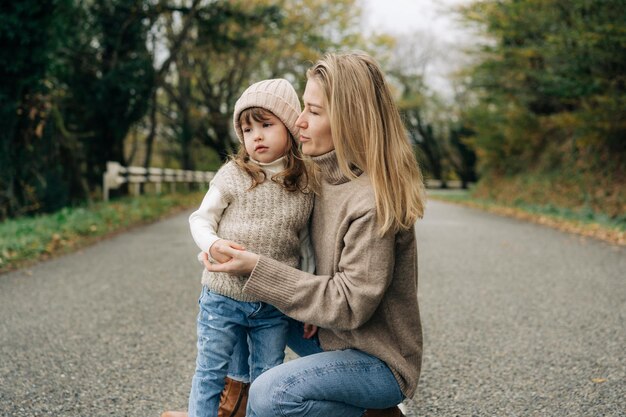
(368, 133)
(295, 175)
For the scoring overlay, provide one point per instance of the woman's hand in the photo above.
(216, 249)
(309, 330)
(240, 262)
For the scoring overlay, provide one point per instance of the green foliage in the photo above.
(110, 78)
(31, 35)
(441, 145)
(213, 67)
(550, 91)
(77, 76)
(27, 239)
(239, 43)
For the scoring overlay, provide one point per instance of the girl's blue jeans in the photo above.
(222, 324)
(334, 383)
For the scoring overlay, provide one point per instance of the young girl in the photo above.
(368, 350)
(259, 199)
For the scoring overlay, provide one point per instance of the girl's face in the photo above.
(314, 122)
(266, 140)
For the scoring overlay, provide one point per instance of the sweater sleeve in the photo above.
(307, 257)
(204, 221)
(343, 301)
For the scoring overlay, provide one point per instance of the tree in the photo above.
(550, 60)
(237, 43)
(550, 94)
(426, 115)
(110, 82)
(176, 41)
(31, 34)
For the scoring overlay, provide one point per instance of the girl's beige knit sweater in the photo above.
(364, 293)
(266, 219)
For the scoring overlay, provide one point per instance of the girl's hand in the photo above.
(309, 330)
(240, 261)
(216, 249)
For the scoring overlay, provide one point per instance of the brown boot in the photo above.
(233, 401)
(387, 412)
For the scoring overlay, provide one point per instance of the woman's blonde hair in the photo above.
(368, 132)
(295, 175)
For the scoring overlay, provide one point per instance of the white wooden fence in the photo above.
(116, 175)
(434, 183)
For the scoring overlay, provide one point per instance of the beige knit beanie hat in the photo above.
(277, 96)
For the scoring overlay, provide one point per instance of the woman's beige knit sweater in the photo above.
(364, 293)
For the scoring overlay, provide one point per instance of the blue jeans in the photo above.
(321, 384)
(239, 369)
(222, 324)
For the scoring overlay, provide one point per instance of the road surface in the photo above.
(519, 320)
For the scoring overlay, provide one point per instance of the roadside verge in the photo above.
(28, 240)
(569, 221)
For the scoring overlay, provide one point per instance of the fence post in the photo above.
(155, 175)
(110, 179)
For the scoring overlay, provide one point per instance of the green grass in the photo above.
(29, 239)
(583, 221)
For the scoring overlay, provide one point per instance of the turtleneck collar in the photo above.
(273, 167)
(329, 167)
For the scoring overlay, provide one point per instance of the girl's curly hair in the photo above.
(295, 176)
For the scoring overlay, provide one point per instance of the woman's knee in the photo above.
(276, 393)
(260, 399)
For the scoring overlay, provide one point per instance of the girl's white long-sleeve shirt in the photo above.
(205, 220)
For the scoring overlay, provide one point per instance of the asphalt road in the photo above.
(519, 320)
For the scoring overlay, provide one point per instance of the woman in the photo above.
(367, 352)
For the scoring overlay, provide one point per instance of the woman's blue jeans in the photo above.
(334, 383)
(223, 324)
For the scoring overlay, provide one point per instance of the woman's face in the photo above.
(314, 122)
